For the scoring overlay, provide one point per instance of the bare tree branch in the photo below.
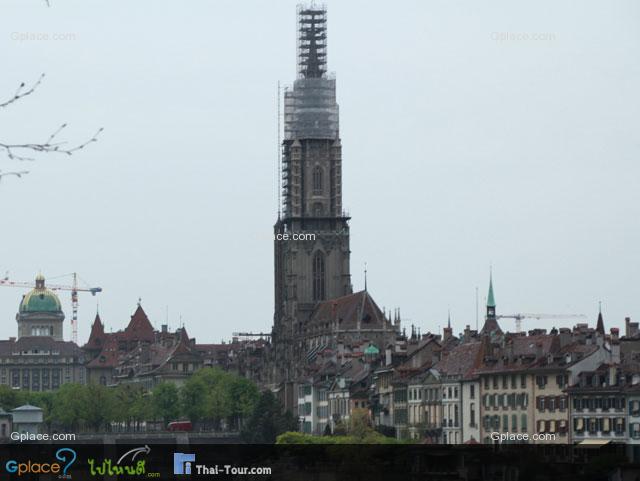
(21, 92)
(17, 151)
(13, 151)
(17, 174)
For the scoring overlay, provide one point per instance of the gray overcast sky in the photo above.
(460, 151)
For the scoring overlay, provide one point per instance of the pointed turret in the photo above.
(97, 337)
(600, 324)
(139, 328)
(491, 301)
(491, 326)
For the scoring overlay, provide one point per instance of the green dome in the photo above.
(371, 350)
(40, 299)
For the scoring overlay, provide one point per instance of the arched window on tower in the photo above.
(318, 276)
(317, 180)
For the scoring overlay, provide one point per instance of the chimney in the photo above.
(613, 372)
(565, 336)
(467, 333)
(538, 350)
(627, 331)
(447, 333)
(615, 334)
(165, 328)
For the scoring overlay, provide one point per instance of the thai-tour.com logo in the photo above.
(184, 463)
(64, 458)
(131, 463)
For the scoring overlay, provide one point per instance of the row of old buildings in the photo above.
(579, 385)
(39, 359)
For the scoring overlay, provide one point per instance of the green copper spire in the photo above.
(491, 302)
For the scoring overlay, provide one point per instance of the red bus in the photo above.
(180, 426)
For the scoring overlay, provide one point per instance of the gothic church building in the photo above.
(315, 306)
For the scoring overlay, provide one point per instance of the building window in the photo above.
(541, 381)
(472, 415)
(523, 381)
(472, 391)
(318, 277)
(317, 180)
(523, 423)
(495, 382)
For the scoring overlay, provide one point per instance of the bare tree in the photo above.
(53, 144)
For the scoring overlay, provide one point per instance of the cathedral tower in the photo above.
(312, 234)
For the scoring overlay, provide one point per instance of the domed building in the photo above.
(39, 359)
(40, 313)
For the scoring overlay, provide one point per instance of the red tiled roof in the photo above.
(108, 357)
(350, 309)
(97, 337)
(139, 328)
(461, 360)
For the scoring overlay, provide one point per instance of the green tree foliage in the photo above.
(68, 406)
(360, 424)
(244, 397)
(43, 400)
(165, 402)
(10, 398)
(193, 398)
(268, 421)
(357, 431)
(98, 406)
(209, 395)
(132, 405)
(214, 395)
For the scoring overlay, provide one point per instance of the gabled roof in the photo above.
(490, 327)
(524, 350)
(108, 356)
(97, 336)
(461, 360)
(348, 310)
(139, 328)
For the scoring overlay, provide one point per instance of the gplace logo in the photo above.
(67, 456)
(182, 463)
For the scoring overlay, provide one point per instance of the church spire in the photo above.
(491, 301)
(312, 42)
(600, 324)
(491, 326)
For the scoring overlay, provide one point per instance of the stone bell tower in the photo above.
(312, 234)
